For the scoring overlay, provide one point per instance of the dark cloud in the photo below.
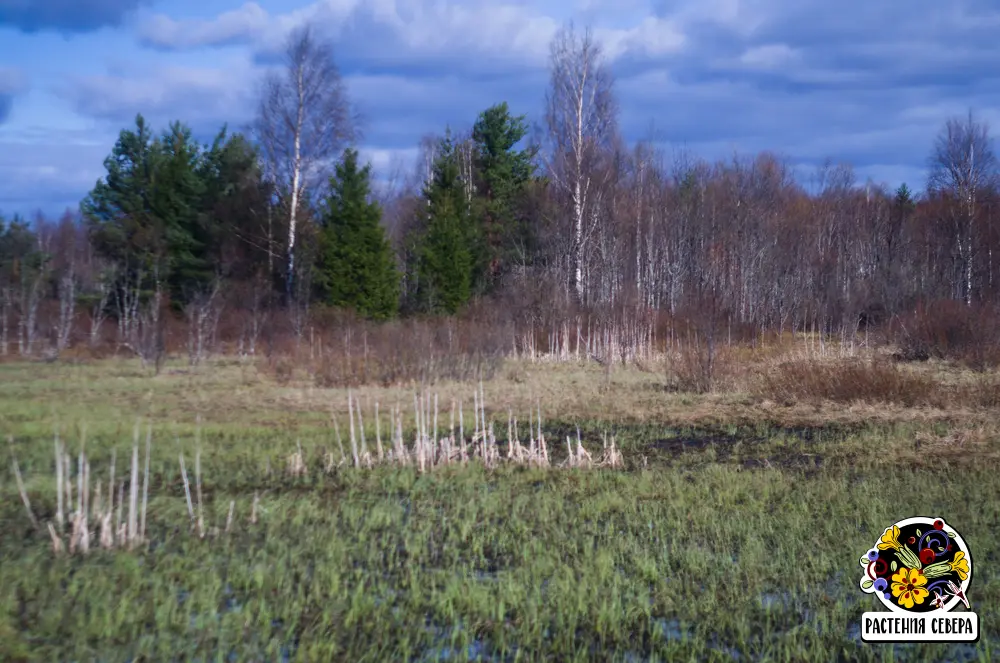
(66, 15)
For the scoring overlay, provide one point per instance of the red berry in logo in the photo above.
(938, 524)
(912, 540)
(926, 556)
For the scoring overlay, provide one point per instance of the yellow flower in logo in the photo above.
(890, 539)
(908, 587)
(960, 565)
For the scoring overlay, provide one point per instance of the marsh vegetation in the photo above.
(728, 528)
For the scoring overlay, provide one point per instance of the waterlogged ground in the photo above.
(713, 544)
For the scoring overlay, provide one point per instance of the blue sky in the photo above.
(868, 83)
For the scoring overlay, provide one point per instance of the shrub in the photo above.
(847, 381)
(949, 330)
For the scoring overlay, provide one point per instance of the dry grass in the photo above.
(921, 389)
(873, 380)
(949, 330)
(784, 383)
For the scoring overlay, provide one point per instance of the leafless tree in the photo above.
(303, 121)
(254, 299)
(103, 287)
(33, 280)
(140, 327)
(203, 313)
(581, 115)
(66, 252)
(6, 306)
(963, 166)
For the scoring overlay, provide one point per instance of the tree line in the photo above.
(283, 219)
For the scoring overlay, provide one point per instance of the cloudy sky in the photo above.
(856, 81)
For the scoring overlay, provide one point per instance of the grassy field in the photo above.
(732, 532)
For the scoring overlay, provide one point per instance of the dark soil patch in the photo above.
(667, 444)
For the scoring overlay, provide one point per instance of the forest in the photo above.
(274, 233)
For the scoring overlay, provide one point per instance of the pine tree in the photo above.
(504, 172)
(357, 269)
(445, 256)
(146, 214)
(176, 202)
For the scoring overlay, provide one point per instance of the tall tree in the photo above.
(445, 261)
(236, 206)
(504, 172)
(22, 266)
(145, 214)
(118, 210)
(176, 203)
(581, 115)
(303, 121)
(356, 264)
(963, 166)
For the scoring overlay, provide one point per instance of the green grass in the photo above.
(736, 541)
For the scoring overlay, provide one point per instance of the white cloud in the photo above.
(195, 95)
(653, 37)
(769, 56)
(388, 163)
(392, 30)
(47, 169)
(247, 22)
(12, 80)
(856, 81)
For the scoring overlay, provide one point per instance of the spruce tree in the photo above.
(357, 269)
(176, 202)
(145, 213)
(504, 173)
(445, 256)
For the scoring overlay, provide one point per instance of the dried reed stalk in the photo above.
(145, 482)
(340, 443)
(354, 444)
(461, 432)
(361, 429)
(60, 517)
(57, 544)
(187, 488)
(378, 434)
(197, 481)
(20, 485)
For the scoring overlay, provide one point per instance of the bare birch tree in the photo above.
(303, 122)
(203, 313)
(964, 165)
(581, 115)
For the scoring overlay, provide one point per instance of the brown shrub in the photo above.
(983, 392)
(969, 335)
(281, 369)
(406, 351)
(693, 368)
(846, 382)
(703, 359)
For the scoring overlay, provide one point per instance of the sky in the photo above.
(856, 81)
